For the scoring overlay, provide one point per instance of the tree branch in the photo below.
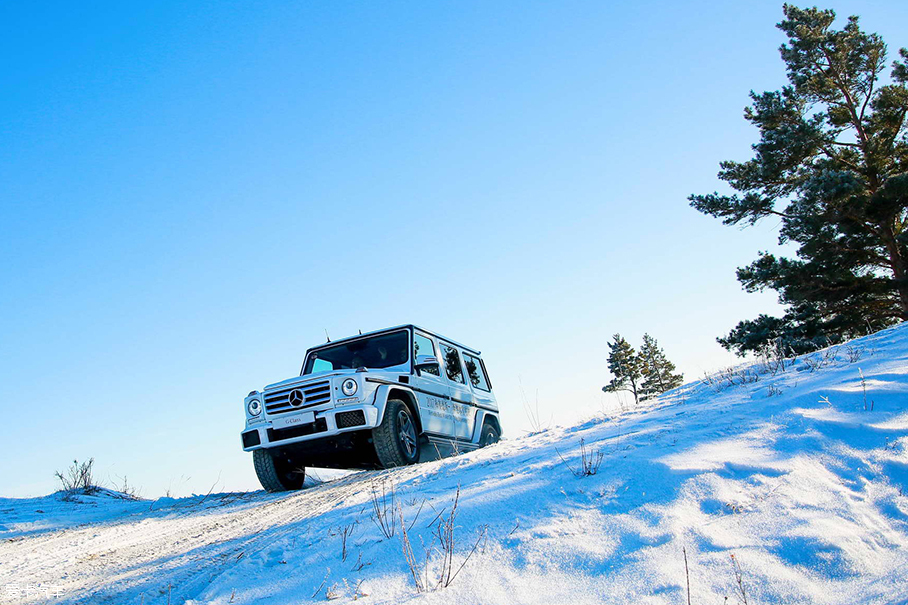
(781, 214)
(873, 77)
(849, 102)
(836, 158)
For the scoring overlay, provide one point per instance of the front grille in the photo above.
(319, 426)
(314, 393)
(345, 420)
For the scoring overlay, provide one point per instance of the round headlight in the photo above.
(254, 407)
(349, 387)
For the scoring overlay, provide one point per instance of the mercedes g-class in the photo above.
(378, 400)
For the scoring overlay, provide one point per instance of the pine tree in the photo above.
(626, 367)
(832, 166)
(658, 371)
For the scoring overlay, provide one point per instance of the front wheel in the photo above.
(396, 440)
(277, 473)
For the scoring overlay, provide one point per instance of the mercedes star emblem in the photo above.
(296, 398)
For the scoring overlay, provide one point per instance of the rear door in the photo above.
(479, 381)
(462, 409)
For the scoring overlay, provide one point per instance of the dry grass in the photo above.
(438, 568)
(775, 358)
(739, 580)
(384, 503)
(864, 388)
(590, 460)
(78, 478)
(345, 533)
(532, 413)
(127, 491)
(686, 573)
(854, 353)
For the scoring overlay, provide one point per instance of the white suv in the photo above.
(377, 400)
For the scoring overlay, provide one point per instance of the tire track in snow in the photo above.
(187, 546)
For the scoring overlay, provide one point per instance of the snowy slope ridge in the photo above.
(787, 472)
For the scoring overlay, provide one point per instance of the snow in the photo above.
(791, 478)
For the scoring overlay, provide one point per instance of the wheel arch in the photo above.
(409, 399)
(491, 418)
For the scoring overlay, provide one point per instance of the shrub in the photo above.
(78, 478)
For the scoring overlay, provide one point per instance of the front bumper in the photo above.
(328, 423)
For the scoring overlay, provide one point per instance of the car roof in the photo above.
(391, 329)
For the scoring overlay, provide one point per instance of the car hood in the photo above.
(309, 378)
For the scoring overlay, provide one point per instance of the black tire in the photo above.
(396, 439)
(277, 473)
(489, 435)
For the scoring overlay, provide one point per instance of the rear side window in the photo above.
(452, 364)
(476, 372)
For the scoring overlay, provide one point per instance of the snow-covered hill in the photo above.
(785, 486)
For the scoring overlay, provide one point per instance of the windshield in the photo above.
(376, 352)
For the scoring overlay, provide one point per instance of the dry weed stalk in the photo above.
(444, 545)
(346, 532)
(739, 579)
(333, 592)
(854, 353)
(864, 388)
(322, 585)
(590, 460)
(384, 503)
(126, 490)
(532, 412)
(78, 477)
(360, 564)
(686, 573)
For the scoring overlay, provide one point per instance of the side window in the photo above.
(424, 346)
(476, 372)
(452, 364)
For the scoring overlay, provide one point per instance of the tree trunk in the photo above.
(899, 267)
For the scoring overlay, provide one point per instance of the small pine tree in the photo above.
(626, 367)
(658, 371)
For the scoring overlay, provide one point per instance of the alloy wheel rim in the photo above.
(407, 433)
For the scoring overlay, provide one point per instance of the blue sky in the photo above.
(191, 195)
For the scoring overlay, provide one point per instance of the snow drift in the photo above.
(766, 483)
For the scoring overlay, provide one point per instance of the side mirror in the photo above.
(426, 361)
